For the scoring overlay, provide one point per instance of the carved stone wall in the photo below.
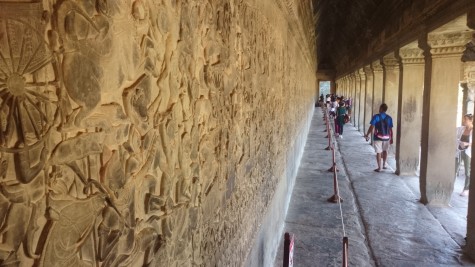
(146, 132)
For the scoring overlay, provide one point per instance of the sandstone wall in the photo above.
(148, 132)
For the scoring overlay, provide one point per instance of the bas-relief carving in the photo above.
(410, 109)
(438, 193)
(409, 165)
(469, 80)
(145, 151)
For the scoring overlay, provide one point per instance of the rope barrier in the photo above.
(336, 196)
(325, 117)
(329, 131)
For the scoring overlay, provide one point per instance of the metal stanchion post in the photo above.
(288, 250)
(345, 251)
(327, 129)
(336, 194)
(333, 167)
(325, 117)
(329, 136)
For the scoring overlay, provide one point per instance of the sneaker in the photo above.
(341, 136)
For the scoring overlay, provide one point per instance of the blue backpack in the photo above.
(382, 129)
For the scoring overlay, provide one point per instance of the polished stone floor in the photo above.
(380, 214)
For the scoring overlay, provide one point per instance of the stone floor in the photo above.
(382, 217)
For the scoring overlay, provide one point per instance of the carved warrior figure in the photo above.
(28, 106)
(96, 170)
(109, 191)
(99, 57)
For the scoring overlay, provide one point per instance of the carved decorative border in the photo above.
(448, 43)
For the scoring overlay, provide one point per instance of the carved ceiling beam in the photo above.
(411, 26)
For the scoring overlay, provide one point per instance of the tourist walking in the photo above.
(464, 149)
(381, 127)
(340, 117)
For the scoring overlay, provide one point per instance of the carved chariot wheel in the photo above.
(28, 87)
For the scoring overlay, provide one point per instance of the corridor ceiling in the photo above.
(350, 33)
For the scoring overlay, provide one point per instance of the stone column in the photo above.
(443, 74)
(347, 85)
(378, 85)
(356, 100)
(467, 100)
(369, 97)
(469, 79)
(391, 88)
(469, 83)
(337, 87)
(410, 110)
(464, 87)
(343, 85)
(351, 85)
(362, 97)
(353, 97)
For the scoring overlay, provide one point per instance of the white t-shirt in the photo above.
(460, 131)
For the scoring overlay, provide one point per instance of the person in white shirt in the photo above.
(464, 149)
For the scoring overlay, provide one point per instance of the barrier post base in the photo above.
(334, 199)
(333, 168)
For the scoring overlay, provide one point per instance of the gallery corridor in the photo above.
(382, 216)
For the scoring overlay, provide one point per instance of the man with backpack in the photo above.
(381, 127)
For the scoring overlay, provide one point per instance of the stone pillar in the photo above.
(337, 87)
(443, 74)
(369, 97)
(391, 88)
(469, 84)
(350, 85)
(464, 87)
(410, 110)
(361, 100)
(345, 82)
(467, 101)
(353, 97)
(343, 86)
(345, 79)
(378, 85)
(356, 100)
